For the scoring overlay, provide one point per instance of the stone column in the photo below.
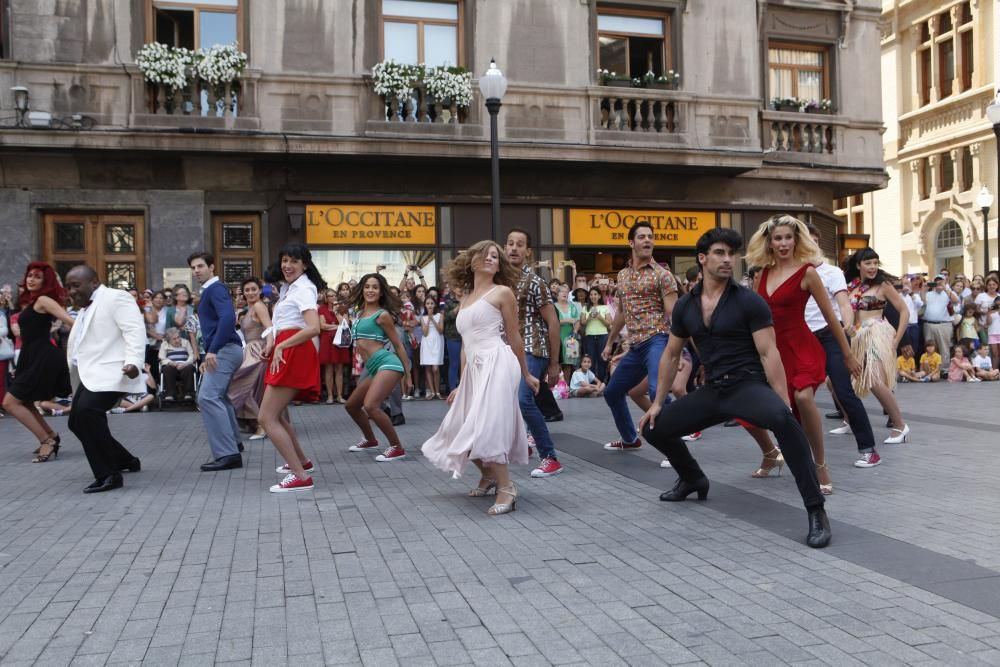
(932, 161)
(956, 17)
(976, 150)
(914, 38)
(955, 154)
(932, 24)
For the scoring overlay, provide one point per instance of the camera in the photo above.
(380, 267)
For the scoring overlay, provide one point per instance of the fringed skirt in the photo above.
(874, 347)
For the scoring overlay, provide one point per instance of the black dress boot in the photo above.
(684, 489)
(819, 529)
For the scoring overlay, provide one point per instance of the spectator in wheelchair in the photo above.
(177, 363)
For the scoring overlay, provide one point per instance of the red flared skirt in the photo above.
(300, 369)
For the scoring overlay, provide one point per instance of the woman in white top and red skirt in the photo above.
(293, 360)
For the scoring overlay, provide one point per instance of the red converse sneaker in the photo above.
(691, 438)
(618, 445)
(285, 470)
(868, 460)
(392, 454)
(363, 446)
(548, 467)
(292, 483)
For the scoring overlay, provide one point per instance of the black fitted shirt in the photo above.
(725, 346)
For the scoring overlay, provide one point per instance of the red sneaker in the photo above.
(618, 445)
(391, 454)
(285, 470)
(691, 438)
(548, 467)
(364, 446)
(292, 483)
(868, 460)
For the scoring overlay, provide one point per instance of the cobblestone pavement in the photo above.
(392, 564)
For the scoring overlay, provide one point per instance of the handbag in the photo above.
(6, 344)
(342, 338)
(571, 349)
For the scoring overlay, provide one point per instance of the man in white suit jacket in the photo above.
(107, 346)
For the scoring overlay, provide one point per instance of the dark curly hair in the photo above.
(387, 300)
(295, 251)
(460, 271)
(51, 287)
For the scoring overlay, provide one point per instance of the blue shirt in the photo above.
(217, 317)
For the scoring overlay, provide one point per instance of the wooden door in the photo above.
(237, 246)
(114, 244)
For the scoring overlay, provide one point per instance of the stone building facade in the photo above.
(939, 61)
(132, 179)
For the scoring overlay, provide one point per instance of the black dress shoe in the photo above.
(819, 529)
(106, 484)
(684, 489)
(132, 466)
(836, 414)
(398, 420)
(555, 418)
(223, 463)
(240, 447)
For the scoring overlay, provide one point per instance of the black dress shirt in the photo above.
(725, 347)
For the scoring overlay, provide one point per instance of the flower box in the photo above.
(825, 112)
(789, 108)
(663, 86)
(618, 84)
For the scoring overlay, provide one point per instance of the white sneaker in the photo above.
(975, 379)
(258, 436)
(665, 464)
(117, 411)
(845, 429)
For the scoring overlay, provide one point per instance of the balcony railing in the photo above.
(638, 110)
(200, 104)
(800, 132)
(422, 107)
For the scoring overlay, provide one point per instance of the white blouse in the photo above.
(293, 300)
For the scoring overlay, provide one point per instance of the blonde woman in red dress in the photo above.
(785, 251)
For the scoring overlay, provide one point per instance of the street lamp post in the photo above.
(984, 200)
(993, 113)
(493, 85)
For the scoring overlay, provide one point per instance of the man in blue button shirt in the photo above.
(734, 333)
(223, 355)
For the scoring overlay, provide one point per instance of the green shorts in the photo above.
(383, 360)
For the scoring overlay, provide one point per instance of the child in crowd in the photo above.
(961, 370)
(984, 365)
(138, 402)
(906, 367)
(57, 407)
(968, 328)
(930, 361)
(584, 384)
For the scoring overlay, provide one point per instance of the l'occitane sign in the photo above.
(609, 227)
(370, 225)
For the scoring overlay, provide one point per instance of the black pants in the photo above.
(854, 409)
(752, 400)
(88, 420)
(170, 376)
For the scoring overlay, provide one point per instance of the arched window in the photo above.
(949, 236)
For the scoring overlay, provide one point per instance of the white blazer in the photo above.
(112, 336)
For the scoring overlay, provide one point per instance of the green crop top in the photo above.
(367, 328)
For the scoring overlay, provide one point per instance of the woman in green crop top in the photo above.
(373, 329)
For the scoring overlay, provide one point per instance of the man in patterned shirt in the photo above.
(647, 293)
(540, 331)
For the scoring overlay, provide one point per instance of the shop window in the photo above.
(967, 168)
(112, 244)
(237, 246)
(947, 171)
(798, 70)
(340, 266)
(195, 24)
(422, 31)
(633, 42)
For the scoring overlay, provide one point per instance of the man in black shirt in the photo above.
(733, 331)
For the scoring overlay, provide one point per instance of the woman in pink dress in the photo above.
(786, 252)
(484, 422)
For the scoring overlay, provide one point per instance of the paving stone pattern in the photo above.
(388, 564)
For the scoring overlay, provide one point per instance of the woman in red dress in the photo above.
(786, 253)
(332, 359)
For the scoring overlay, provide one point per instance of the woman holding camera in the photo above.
(595, 320)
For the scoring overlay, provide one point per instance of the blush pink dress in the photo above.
(484, 422)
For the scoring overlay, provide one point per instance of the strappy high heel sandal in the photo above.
(57, 441)
(52, 453)
(768, 464)
(825, 489)
(480, 491)
(505, 508)
(899, 437)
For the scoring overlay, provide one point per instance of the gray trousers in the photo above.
(942, 333)
(216, 411)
